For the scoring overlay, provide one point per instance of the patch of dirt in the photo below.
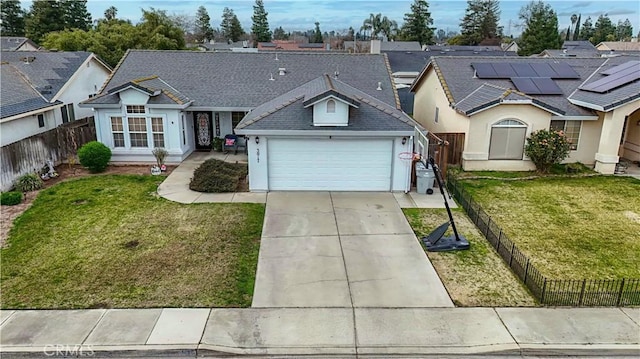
(632, 216)
(9, 213)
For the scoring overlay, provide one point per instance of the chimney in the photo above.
(379, 86)
(375, 47)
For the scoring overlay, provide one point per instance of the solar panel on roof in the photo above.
(547, 86)
(622, 67)
(504, 70)
(564, 71)
(524, 70)
(613, 81)
(484, 70)
(536, 85)
(543, 70)
(526, 85)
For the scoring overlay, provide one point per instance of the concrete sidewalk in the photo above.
(331, 332)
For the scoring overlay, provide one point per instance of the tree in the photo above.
(280, 34)
(11, 18)
(586, 32)
(159, 32)
(574, 18)
(389, 28)
(75, 14)
(576, 32)
(231, 27)
(546, 148)
(624, 30)
(203, 30)
(604, 30)
(317, 34)
(44, 17)
(110, 13)
(416, 23)
(480, 21)
(541, 29)
(260, 27)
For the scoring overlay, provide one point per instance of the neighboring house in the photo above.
(14, 43)
(304, 130)
(618, 46)
(377, 46)
(406, 66)
(242, 46)
(60, 79)
(497, 102)
(283, 45)
(510, 47)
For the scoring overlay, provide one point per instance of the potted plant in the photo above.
(160, 154)
(217, 144)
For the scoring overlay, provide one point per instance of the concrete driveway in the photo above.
(342, 249)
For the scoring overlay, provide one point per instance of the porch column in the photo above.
(607, 154)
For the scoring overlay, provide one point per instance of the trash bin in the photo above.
(424, 178)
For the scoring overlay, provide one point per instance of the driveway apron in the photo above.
(342, 249)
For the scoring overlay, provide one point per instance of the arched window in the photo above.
(331, 106)
(507, 140)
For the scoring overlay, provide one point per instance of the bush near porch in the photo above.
(113, 243)
(570, 227)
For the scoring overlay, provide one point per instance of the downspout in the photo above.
(408, 181)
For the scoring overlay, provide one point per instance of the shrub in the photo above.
(160, 154)
(546, 148)
(10, 198)
(95, 156)
(28, 182)
(218, 176)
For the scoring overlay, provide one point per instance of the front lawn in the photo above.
(476, 277)
(571, 228)
(110, 241)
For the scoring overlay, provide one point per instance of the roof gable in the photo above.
(18, 95)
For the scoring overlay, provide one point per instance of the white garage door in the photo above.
(330, 164)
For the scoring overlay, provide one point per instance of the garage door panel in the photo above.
(338, 165)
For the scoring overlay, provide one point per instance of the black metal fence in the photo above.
(559, 292)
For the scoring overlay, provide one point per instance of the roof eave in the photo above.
(17, 116)
(343, 133)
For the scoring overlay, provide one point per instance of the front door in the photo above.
(203, 126)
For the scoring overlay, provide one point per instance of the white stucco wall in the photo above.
(631, 147)
(87, 80)
(18, 129)
(323, 118)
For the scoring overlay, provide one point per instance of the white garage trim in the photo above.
(336, 164)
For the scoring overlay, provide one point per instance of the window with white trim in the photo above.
(157, 129)
(138, 131)
(236, 117)
(507, 140)
(571, 129)
(40, 120)
(331, 106)
(68, 113)
(117, 129)
(135, 109)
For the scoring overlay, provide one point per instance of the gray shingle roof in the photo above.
(288, 112)
(615, 97)
(17, 95)
(242, 80)
(457, 77)
(385, 45)
(49, 71)
(578, 45)
(11, 43)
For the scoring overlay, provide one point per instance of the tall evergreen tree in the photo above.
(11, 18)
(480, 21)
(416, 23)
(75, 14)
(586, 32)
(231, 27)
(604, 30)
(260, 27)
(44, 16)
(541, 30)
(317, 34)
(576, 32)
(624, 30)
(203, 29)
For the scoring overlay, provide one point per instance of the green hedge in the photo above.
(11, 198)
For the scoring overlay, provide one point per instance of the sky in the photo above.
(339, 15)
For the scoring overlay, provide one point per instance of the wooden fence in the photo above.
(557, 292)
(58, 145)
(454, 148)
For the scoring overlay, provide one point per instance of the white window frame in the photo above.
(331, 106)
(154, 133)
(574, 146)
(113, 133)
(507, 123)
